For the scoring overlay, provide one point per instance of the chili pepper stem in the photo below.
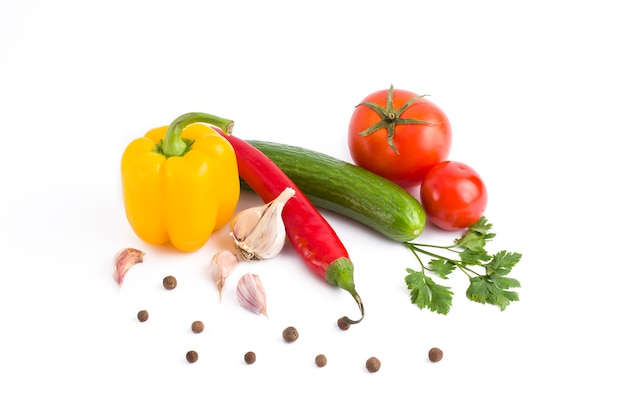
(173, 144)
(357, 298)
(341, 273)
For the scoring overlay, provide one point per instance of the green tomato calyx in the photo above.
(390, 117)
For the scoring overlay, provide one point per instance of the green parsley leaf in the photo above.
(482, 227)
(471, 241)
(474, 257)
(426, 294)
(441, 267)
(501, 263)
(490, 286)
(505, 282)
(485, 291)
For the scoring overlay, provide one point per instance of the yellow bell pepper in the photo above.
(180, 182)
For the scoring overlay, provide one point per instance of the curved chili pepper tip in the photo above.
(340, 272)
(348, 320)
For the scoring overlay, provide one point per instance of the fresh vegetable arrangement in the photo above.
(309, 232)
(453, 194)
(380, 204)
(349, 190)
(183, 181)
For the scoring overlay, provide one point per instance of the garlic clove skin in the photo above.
(223, 263)
(251, 294)
(123, 261)
(244, 222)
(259, 232)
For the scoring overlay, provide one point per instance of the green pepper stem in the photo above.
(173, 144)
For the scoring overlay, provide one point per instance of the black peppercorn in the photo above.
(342, 324)
(197, 326)
(320, 360)
(142, 316)
(249, 358)
(372, 364)
(169, 282)
(192, 356)
(435, 354)
(290, 334)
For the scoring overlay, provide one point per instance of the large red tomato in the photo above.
(399, 135)
(454, 196)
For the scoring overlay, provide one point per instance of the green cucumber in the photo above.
(349, 190)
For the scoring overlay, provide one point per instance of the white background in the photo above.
(535, 94)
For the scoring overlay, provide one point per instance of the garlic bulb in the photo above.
(259, 232)
(222, 265)
(251, 294)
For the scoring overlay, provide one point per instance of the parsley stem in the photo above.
(412, 249)
(415, 248)
(426, 245)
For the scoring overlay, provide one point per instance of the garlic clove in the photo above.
(251, 294)
(222, 265)
(244, 222)
(123, 261)
(259, 232)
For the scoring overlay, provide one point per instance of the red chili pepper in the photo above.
(309, 232)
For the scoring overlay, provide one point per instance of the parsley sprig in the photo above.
(491, 285)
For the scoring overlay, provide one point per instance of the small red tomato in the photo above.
(399, 135)
(453, 195)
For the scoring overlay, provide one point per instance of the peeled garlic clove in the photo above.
(251, 294)
(123, 261)
(222, 265)
(259, 232)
